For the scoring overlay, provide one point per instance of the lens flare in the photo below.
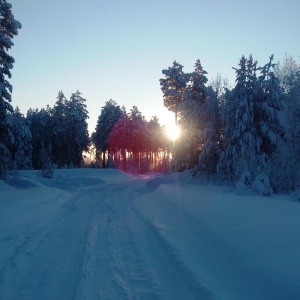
(173, 132)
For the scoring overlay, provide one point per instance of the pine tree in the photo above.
(110, 114)
(138, 136)
(135, 144)
(192, 114)
(210, 135)
(77, 132)
(173, 87)
(8, 29)
(60, 125)
(157, 141)
(41, 128)
(120, 142)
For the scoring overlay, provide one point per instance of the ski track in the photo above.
(95, 245)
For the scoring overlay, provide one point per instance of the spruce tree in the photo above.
(255, 129)
(272, 127)
(77, 129)
(21, 150)
(41, 128)
(59, 122)
(286, 171)
(240, 136)
(269, 111)
(293, 117)
(8, 29)
(210, 134)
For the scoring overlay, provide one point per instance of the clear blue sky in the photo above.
(118, 48)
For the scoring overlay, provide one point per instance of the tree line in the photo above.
(49, 137)
(247, 133)
(57, 137)
(129, 142)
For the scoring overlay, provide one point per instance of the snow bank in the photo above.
(22, 183)
(240, 247)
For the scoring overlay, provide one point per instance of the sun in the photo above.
(172, 132)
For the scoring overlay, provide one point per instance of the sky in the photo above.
(117, 49)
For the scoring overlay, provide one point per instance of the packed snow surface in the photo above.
(102, 234)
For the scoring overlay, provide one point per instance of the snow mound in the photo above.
(89, 182)
(4, 185)
(67, 183)
(261, 185)
(175, 178)
(22, 183)
(64, 179)
(243, 190)
(296, 195)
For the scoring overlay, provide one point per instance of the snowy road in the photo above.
(86, 241)
(91, 234)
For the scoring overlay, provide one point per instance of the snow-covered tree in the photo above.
(294, 129)
(120, 141)
(255, 126)
(173, 87)
(139, 136)
(78, 136)
(192, 114)
(21, 150)
(59, 134)
(220, 87)
(240, 140)
(287, 173)
(59, 127)
(40, 125)
(70, 130)
(269, 112)
(157, 141)
(8, 29)
(210, 134)
(136, 145)
(286, 72)
(109, 116)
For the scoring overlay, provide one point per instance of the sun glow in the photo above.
(173, 132)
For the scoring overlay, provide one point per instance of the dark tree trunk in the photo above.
(103, 159)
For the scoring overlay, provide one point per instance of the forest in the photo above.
(247, 133)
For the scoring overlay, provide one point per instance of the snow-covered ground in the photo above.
(102, 234)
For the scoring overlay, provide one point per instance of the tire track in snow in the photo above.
(185, 284)
(48, 259)
(22, 249)
(133, 273)
(98, 246)
(141, 263)
(104, 270)
(95, 255)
